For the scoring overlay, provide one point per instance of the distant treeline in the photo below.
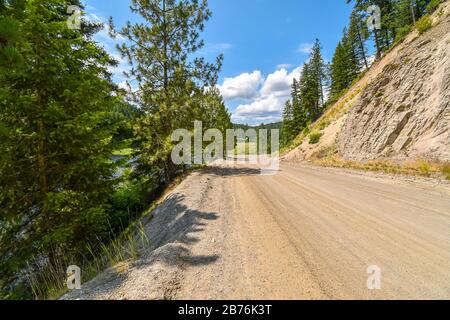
(269, 126)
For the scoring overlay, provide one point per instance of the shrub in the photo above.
(446, 171)
(424, 167)
(402, 32)
(424, 24)
(432, 6)
(379, 94)
(314, 138)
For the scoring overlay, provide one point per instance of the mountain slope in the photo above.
(399, 110)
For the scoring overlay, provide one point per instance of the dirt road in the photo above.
(304, 233)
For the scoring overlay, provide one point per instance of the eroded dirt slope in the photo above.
(399, 110)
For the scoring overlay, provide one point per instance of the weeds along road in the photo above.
(304, 233)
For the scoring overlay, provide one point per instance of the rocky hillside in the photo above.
(399, 110)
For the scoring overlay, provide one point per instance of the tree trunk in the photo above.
(41, 158)
(165, 44)
(377, 43)
(361, 45)
(43, 183)
(386, 35)
(413, 14)
(321, 92)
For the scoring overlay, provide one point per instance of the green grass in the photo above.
(418, 167)
(424, 167)
(446, 171)
(50, 283)
(123, 152)
(432, 6)
(424, 24)
(314, 137)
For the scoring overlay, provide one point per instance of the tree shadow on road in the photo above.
(174, 223)
(169, 232)
(232, 171)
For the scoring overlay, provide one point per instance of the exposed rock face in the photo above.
(405, 111)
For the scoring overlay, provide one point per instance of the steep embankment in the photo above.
(399, 110)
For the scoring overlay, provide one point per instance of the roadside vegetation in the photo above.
(83, 160)
(328, 157)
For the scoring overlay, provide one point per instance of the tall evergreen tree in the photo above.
(345, 65)
(55, 173)
(339, 75)
(357, 36)
(319, 74)
(287, 130)
(309, 92)
(170, 80)
(299, 116)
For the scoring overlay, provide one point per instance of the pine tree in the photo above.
(345, 66)
(309, 92)
(287, 130)
(170, 80)
(357, 36)
(319, 74)
(298, 113)
(55, 173)
(338, 71)
(381, 37)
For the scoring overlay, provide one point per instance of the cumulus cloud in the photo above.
(244, 86)
(279, 83)
(267, 106)
(262, 109)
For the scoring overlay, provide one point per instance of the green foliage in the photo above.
(55, 174)
(432, 6)
(424, 167)
(345, 67)
(287, 130)
(171, 80)
(308, 96)
(403, 32)
(314, 137)
(446, 171)
(424, 24)
(10, 36)
(128, 201)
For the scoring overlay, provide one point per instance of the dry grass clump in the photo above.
(419, 167)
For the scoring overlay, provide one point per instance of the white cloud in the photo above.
(215, 48)
(268, 104)
(223, 46)
(244, 86)
(305, 48)
(263, 109)
(284, 66)
(109, 44)
(279, 83)
(123, 66)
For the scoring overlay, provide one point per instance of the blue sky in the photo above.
(265, 42)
